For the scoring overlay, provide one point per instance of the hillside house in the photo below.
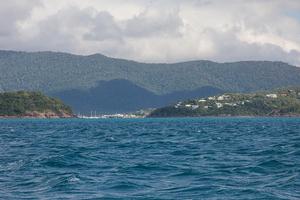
(272, 96)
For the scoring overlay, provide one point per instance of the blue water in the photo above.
(204, 158)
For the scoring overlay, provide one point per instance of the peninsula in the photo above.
(281, 102)
(23, 104)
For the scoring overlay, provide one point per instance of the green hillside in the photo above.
(31, 104)
(52, 72)
(283, 102)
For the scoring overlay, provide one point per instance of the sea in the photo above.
(171, 158)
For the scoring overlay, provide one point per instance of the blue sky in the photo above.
(294, 13)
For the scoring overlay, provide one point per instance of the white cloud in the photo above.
(156, 31)
(104, 27)
(153, 22)
(12, 12)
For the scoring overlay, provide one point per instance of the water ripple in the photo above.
(205, 158)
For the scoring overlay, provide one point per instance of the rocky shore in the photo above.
(40, 115)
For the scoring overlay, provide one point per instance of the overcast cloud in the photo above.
(157, 30)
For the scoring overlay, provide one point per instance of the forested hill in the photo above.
(32, 104)
(53, 72)
(282, 102)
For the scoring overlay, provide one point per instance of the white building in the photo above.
(223, 97)
(272, 96)
(231, 104)
(219, 105)
(195, 107)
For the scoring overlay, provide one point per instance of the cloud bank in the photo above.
(156, 31)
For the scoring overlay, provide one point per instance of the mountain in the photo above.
(49, 72)
(124, 96)
(32, 104)
(54, 73)
(283, 102)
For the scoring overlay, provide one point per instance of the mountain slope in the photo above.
(87, 82)
(117, 96)
(283, 102)
(54, 72)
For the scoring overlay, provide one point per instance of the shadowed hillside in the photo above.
(124, 96)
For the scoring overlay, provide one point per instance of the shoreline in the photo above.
(38, 117)
(76, 117)
(231, 116)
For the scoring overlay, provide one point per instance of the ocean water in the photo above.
(198, 158)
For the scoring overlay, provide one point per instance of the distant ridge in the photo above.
(123, 96)
(55, 72)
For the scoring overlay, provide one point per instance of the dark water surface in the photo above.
(204, 158)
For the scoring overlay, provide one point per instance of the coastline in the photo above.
(39, 116)
(231, 116)
(27, 117)
(158, 117)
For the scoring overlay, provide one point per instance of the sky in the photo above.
(156, 30)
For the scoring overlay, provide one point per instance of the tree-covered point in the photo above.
(281, 102)
(24, 103)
